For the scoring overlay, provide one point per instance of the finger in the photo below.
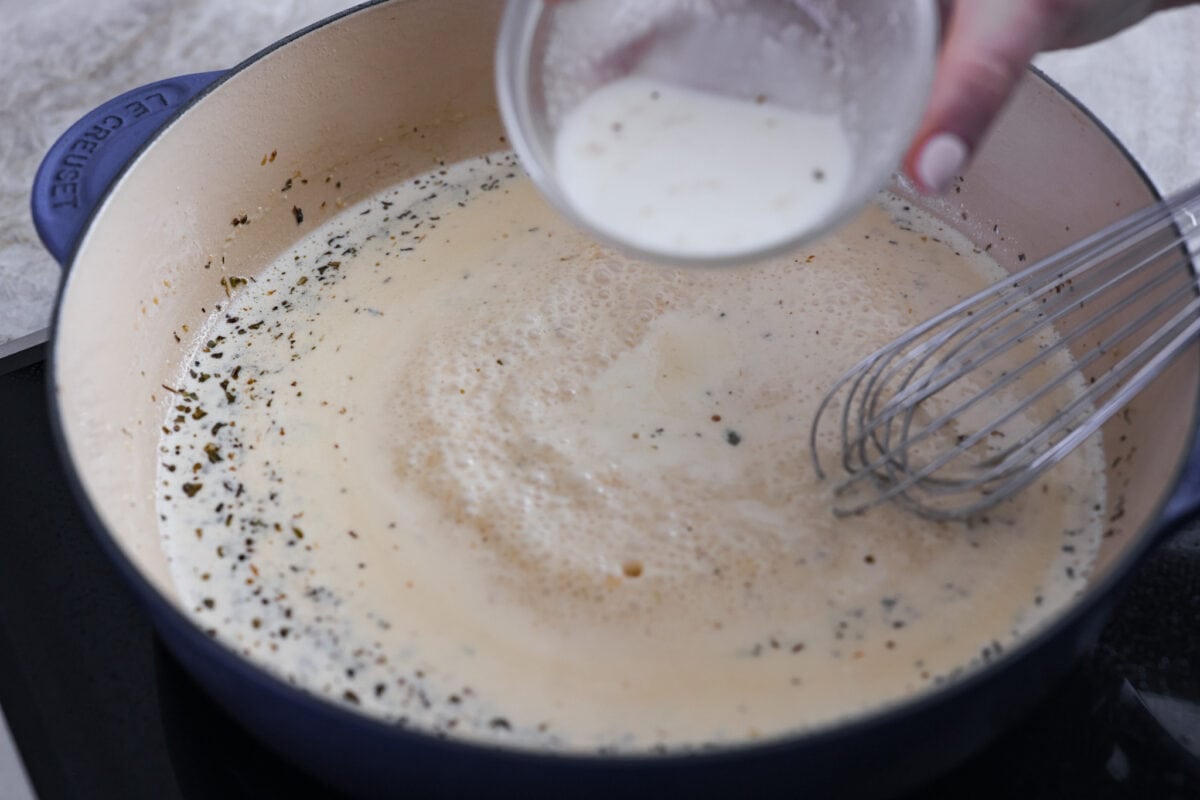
(987, 47)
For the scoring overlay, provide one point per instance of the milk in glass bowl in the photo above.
(712, 131)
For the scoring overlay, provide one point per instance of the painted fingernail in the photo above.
(941, 158)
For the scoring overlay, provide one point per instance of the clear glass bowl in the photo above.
(867, 63)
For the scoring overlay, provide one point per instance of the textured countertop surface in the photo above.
(59, 58)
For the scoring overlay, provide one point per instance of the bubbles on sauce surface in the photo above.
(452, 464)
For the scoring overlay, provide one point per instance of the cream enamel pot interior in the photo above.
(384, 92)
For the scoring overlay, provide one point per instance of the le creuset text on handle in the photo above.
(79, 168)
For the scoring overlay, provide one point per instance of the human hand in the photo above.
(986, 47)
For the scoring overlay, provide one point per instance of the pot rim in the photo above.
(825, 735)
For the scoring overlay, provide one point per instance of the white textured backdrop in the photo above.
(1145, 85)
(59, 58)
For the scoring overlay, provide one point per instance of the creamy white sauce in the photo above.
(452, 464)
(678, 171)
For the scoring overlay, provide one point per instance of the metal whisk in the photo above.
(970, 407)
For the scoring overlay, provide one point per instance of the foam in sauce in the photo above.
(452, 464)
(680, 171)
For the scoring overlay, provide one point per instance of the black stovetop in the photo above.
(99, 709)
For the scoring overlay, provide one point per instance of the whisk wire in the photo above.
(899, 404)
(917, 393)
(989, 347)
(1075, 259)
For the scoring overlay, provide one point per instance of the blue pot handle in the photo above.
(76, 172)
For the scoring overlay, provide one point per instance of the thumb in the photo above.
(987, 47)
